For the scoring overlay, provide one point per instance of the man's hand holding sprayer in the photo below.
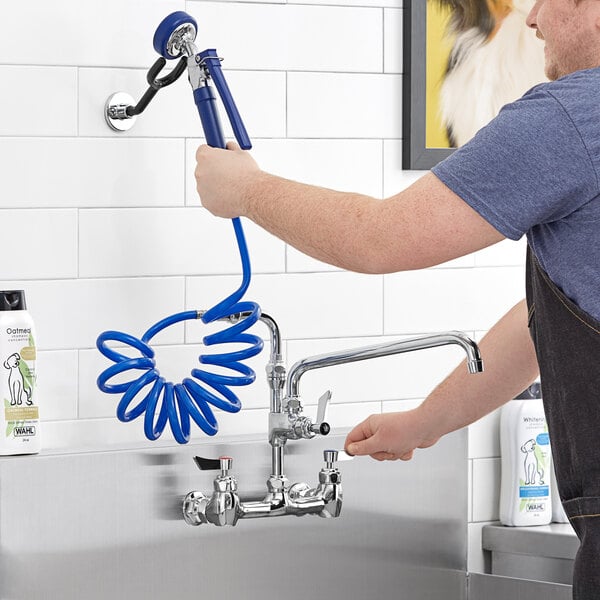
(222, 178)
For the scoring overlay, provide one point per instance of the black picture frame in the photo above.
(415, 154)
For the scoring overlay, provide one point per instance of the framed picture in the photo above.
(463, 61)
(426, 51)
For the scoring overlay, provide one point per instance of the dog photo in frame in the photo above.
(463, 61)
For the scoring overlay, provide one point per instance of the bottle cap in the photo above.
(12, 300)
(533, 392)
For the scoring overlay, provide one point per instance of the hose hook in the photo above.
(120, 112)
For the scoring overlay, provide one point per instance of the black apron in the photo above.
(567, 344)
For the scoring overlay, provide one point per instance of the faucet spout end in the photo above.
(475, 366)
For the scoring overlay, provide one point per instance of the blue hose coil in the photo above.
(191, 399)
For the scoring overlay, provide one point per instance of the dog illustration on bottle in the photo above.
(531, 463)
(16, 382)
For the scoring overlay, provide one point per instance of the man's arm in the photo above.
(510, 366)
(424, 225)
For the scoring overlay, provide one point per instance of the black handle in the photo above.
(207, 464)
(157, 83)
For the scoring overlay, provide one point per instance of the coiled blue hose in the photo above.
(177, 403)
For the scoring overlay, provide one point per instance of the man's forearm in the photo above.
(424, 225)
(340, 228)
(510, 366)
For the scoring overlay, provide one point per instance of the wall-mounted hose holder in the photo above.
(119, 111)
(162, 401)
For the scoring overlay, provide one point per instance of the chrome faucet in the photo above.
(474, 362)
(224, 506)
(286, 422)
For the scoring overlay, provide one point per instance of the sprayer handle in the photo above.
(213, 64)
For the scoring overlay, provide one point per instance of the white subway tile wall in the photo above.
(116, 238)
(486, 489)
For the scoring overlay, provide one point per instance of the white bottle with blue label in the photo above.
(19, 418)
(525, 496)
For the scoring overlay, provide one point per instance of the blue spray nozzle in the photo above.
(170, 33)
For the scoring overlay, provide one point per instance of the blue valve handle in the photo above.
(205, 98)
(178, 404)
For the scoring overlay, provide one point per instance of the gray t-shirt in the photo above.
(534, 170)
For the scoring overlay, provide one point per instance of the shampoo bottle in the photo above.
(526, 461)
(19, 423)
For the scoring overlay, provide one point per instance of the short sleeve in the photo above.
(529, 166)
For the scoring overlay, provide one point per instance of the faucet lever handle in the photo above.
(224, 463)
(320, 425)
(322, 407)
(207, 464)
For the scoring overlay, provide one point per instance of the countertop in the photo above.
(545, 553)
(552, 541)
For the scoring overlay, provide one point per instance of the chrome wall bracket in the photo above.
(115, 112)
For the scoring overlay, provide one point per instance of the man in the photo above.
(535, 171)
